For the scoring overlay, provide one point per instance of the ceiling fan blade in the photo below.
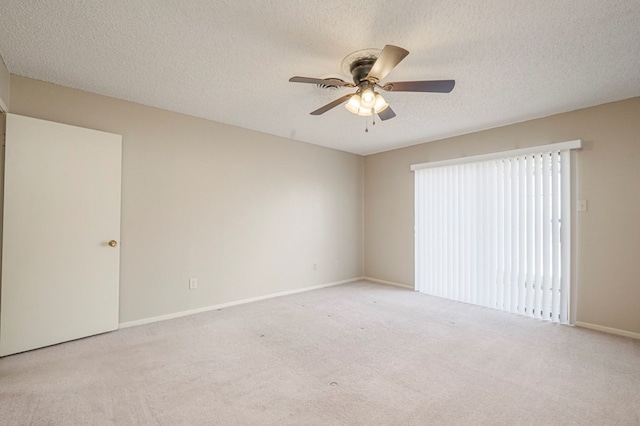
(436, 86)
(331, 105)
(388, 59)
(386, 114)
(321, 81)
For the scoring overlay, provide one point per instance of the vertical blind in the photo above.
(496, 233)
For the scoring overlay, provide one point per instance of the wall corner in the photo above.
(4, 86)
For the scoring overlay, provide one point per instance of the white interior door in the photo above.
(60, 276)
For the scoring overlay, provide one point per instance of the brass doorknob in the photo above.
(113, 243)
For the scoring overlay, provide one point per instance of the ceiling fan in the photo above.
(368, 67)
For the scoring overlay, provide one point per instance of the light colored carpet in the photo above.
(359, 354)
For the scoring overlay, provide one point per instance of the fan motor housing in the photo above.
(360, 69)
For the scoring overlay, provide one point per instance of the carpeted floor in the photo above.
(357, 354)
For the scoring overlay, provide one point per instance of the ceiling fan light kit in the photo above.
(366, 102)
(368, 67)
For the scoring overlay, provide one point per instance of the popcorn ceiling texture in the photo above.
(230, 60)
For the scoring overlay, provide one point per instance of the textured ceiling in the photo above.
(230, 60)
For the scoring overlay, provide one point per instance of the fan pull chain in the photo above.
(366, 125)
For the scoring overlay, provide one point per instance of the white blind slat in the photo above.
(515, 236)
(546, 235)
(555, 237)
(538, 210)
(522, 234)
(531, 234)
(565, 237)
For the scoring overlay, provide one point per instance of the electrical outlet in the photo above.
(193, 283)
(582, 205)
(315, 266)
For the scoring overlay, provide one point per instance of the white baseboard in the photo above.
(375, 280)
(228, 304)
(609, 330)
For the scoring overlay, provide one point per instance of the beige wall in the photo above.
(607, 244)
(249, 214)
(246, 213)
(4, 86)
